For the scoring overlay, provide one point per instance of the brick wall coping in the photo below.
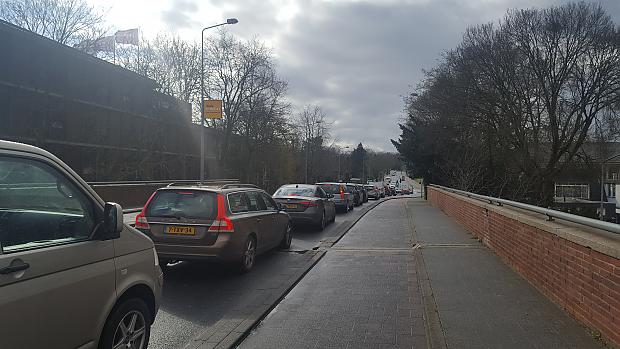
(599, 240)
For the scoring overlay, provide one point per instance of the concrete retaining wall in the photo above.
(576, 267)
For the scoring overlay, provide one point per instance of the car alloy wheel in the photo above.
(130, 332)
(249, 254)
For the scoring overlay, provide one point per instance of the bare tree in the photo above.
(525, 94)
(66, 21)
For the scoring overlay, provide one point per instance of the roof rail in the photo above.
(239, 185)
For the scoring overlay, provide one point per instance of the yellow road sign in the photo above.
(212, 109)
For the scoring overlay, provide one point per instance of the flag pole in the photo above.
(139, 50)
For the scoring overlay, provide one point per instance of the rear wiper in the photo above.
(178, 216)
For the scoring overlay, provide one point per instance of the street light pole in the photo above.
(339, 154)
(202, 95)
(600, 214)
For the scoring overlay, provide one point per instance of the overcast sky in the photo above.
(354, 58)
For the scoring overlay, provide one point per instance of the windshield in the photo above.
(183, 204)
(295, 191)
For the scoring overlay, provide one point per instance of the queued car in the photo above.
(232, 223)
(306, 204)
(358, 198)
(362, 190)
(373, 191)
(72, 274)
(342, 197)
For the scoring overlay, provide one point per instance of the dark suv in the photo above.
(232, 223)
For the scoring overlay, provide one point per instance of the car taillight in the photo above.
(222, 223)
(141, 221)
(308, 203)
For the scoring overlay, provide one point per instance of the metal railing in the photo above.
(551, 214)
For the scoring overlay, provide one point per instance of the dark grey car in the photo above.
(231, 223)
(306, 204)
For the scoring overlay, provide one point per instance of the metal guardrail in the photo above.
(607, 226)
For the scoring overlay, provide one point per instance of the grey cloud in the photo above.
(358, 58)
(178, 14)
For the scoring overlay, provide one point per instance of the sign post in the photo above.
(211, 109)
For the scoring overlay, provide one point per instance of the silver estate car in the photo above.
(343, 197)
(72, 275)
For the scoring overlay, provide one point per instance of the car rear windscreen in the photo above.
(331, 188)
(295, 191)
(194, 204)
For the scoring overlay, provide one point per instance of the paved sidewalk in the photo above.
(366, 293)
(362, 294)
(481, 302)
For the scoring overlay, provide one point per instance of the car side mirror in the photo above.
(112, 224)
(330, 195)
(280, 207)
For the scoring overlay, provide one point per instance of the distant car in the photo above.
(72, 273)
(306, 204)
(364, 192)
(343, 198)
(392, 189)
(399, 191)
(233, 223)
(358, 198)
(373, 192)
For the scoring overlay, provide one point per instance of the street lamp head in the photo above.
(232, 21)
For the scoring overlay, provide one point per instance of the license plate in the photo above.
(180, 230)
(290, 206)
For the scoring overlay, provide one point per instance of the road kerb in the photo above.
(219, 334)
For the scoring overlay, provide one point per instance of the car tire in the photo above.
(248, 255)
(322, 222)
(285, 244)
(333, 216)
(133, 315)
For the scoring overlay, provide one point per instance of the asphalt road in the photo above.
(198, 295)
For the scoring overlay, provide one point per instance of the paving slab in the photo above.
(356, 296)
(482, 302)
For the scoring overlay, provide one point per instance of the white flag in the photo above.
(129, 36)
(105, 43)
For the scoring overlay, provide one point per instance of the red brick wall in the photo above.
(584, 282)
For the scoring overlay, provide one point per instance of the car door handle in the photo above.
(259, 219)
(14, 268)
